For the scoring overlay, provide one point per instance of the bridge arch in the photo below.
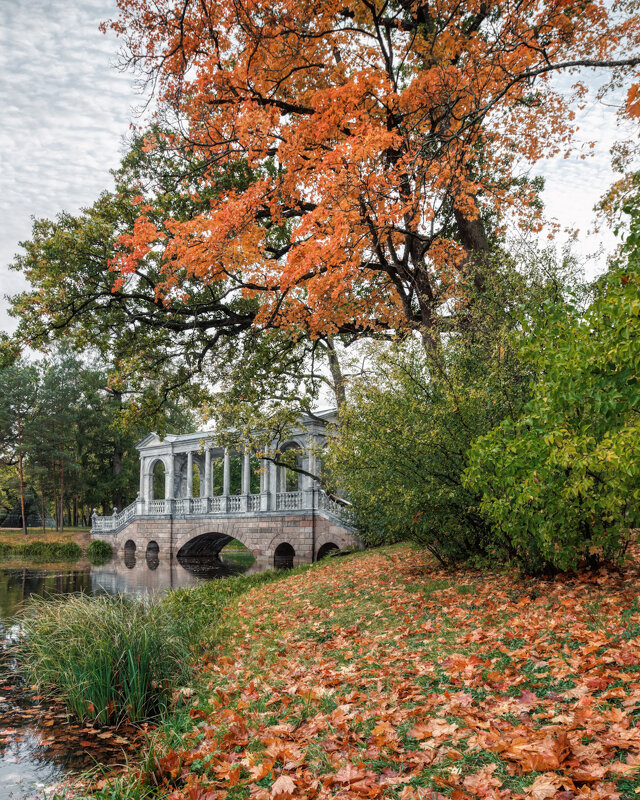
(129, 554)
(205, 544)
(325, 549)
(152, 554)
(284, 556)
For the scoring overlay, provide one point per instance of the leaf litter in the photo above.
(382, 676)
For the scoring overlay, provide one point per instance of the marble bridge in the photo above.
(196, 496)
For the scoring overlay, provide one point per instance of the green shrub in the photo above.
(99, 552)
(42, 551)
(106, 658)
(401, 449)
(561, 483)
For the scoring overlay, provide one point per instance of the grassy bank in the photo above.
(13, 535)
(379, 676)
(67, 545)
(41, 550)
(110, 659)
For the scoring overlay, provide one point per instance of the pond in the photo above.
(39, 743)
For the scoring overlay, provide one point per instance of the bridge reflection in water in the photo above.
(148, 573)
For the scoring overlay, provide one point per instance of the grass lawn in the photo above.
(15, 535)
(379, 675)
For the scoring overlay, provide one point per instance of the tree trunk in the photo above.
(339, 386)
(62, 494)
(44, 519)
(55, 504)
(21, 473)
(117, 457)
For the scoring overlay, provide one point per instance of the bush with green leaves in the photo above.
(99, 552)
(401, 449)
(560, 484)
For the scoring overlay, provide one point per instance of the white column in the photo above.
(273, 483)
(189, 474)
(226, 473)
(264, 484)
(143, 464)
(205, 489)
(309, 464)
(169, 479)
(246, 473)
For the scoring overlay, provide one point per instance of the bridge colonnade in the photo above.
(284, 513)
(180, 454)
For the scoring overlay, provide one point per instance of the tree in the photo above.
(560, 482)
(159, 352)
(383, 144)
(18, 404)
(402, 448)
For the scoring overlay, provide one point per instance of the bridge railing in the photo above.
(116, 520)
(221, 504)
(288, 501)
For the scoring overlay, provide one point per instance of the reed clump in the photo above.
(108, 659)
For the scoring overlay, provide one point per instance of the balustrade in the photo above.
(288, 501)
(223, 504)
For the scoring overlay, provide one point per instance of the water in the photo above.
(40, 744)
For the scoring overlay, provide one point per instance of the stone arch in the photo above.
(325, 549)
(157, 479)
(129, 554)
(283, 556)
(215, 530)
(152, 554)
(197, 478)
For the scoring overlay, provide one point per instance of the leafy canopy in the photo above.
(382, 139)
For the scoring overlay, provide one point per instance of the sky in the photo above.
(66, 110)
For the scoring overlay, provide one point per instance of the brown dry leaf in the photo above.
(283, 785)
(483, 781)
(548, 785)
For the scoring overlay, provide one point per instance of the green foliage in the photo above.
(561, 482)
(401, 450)
(99, 552)
(42, 551)
(107, 658)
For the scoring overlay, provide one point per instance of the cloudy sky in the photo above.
(65, 111)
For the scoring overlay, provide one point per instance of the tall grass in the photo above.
(111, 658)
(41, 551)
(107, 658)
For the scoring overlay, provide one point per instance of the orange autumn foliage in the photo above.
(381, 135)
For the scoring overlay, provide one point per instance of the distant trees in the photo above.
(18, 411)
(61, 431)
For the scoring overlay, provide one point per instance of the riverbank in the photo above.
(379, 675)
(67, 545)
